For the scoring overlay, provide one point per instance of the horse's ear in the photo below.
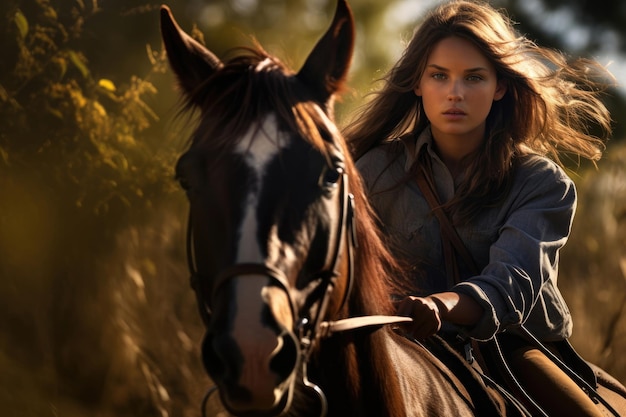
(191, 61)
(326, 68)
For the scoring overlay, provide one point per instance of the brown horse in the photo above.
(287, 264)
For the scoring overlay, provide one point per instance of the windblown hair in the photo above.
(551, 105)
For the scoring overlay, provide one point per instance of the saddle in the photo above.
(488, 397)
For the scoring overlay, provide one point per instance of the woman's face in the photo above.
(458, 88)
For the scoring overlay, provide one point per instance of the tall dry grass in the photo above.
(593, 265)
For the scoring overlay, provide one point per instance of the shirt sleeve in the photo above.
(523, 260)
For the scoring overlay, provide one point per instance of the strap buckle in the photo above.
(469, 353)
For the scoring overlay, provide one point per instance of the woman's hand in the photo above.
(425, 314)
(428, 312)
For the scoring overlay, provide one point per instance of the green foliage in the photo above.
(80, 127)
(79, 164)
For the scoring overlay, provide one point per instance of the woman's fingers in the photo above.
(425, 315)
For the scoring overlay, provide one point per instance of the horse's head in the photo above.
(270, 208)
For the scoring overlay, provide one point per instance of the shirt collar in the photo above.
(425, 138)
(443, 179)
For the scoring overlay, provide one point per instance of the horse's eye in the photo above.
(188, 168)
(184, 183)
(332, 175)
(330, 178)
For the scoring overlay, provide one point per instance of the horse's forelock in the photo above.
(251, 85)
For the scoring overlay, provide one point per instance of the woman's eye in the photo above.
(474, 78)
(439, 76)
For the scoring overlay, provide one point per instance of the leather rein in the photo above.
(308, 332)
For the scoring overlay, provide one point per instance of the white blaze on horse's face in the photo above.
(259, 147)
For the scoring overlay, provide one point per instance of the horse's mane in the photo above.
(375, 270)
(375, 267)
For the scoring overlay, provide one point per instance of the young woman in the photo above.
(483, 114)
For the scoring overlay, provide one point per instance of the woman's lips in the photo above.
(454, 114)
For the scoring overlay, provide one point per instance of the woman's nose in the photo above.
(455, 93)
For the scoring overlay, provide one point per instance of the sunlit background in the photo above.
(96, 315)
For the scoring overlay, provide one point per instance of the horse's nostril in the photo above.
(209, 357)
(214, 351)
(284, 360)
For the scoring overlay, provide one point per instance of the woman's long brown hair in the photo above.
(551, 107)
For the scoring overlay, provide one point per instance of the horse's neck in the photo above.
(357, 375)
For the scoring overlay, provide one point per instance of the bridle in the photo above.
(344, 227)
(309, 331)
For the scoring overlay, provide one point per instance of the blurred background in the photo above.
(96, 314)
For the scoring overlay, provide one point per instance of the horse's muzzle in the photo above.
(254, 371)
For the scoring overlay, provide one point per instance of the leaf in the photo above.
(4, 155)
(107, 84)
(78, 63)
(60, 65)
(4, 96)
(50, 13)
(54, 112)
(22, 23)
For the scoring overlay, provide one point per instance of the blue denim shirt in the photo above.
(516, 244)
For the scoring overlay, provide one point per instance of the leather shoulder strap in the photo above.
(448, 231)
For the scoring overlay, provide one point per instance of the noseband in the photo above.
(308, 331)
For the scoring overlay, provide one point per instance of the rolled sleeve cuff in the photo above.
(493, 305)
